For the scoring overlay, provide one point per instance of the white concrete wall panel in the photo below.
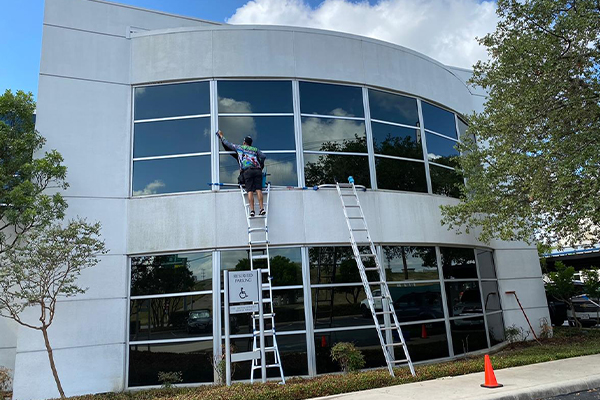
(111, 213)
(328, 56)
(111, 18)
(82, 370)
(108, 279)
(77, 323)
(184, 55)
(259, 51)
(79, 54)
(513, 264)
(8, 343)
(253, 52)
(89, 124)
(530, 292)
(536, 316)
(214, 220)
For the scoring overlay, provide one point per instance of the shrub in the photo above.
(169, 378)
(5, 381)
(349, 357)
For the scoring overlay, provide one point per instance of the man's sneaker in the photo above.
(252, 213)
(262, 211)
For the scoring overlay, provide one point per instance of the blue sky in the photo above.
(445, 30)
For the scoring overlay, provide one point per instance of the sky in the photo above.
(442, 29)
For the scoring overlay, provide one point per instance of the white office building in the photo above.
(132, 98)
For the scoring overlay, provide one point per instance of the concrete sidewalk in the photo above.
(528, 382)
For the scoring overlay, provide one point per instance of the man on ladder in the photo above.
(251, 161)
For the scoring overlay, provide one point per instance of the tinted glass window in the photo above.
(425, 341)
(445, 181)
(438, 120)
(171, 317)
(468, 334)
(485, 261)
(396, 141)
(400, 175)
(440, 150)
(337, 100)
(267, 133)
(325, 265)
(286, 264)
(327, 134)
(280, 169)
(173, 273)
(462, 127)
(171, 137)
(365, 340)
(491, 296)
(255, 96)
(327, 168)
(464, 299)
(404, 263)
(171, 175)
(292, 350)
(340, 306)
(163, 101)
(192, 359)
(458, 263)
(417, 302)
(495, 328)
(394, 108)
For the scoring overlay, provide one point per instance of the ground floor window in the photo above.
(446, 300)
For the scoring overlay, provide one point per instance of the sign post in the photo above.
(243, 287)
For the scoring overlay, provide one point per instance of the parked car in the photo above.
(586, 311)
(199, 321)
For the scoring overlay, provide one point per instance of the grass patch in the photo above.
(566, 343)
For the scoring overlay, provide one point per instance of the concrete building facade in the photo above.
(131, 98)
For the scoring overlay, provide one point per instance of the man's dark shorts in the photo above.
(253, 179)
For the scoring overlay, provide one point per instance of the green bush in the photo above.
(349, 357)
(169, 378)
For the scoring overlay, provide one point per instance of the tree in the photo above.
(40, 270)
(562, 287)
(25, 204)
(537, 174)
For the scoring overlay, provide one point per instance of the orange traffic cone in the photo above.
(323, 341)
(490, 378)
(423, 332)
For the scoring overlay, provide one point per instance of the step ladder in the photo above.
(373, 275)
(258, 241)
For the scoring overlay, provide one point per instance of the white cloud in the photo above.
(442, 29)
(151, 188)
(315, 131)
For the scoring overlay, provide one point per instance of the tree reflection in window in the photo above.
(331, 168)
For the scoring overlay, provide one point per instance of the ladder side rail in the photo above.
(386, 298)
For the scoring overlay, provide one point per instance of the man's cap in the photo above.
(248, 140)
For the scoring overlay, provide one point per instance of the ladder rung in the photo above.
(351, 205)
(383, 312)
(348, 194)
(260, 257)
(355, 218)
(253, 242)
(368, 255)
(394, 344)
(371, 269)
(359, 230)
(267, 331)
(387, 328)
(265, 229)
(269, 315)
(399, 361)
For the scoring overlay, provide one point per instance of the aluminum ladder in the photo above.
(359, 236)
(258, 241)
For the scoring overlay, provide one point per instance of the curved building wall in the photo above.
(97, 57)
